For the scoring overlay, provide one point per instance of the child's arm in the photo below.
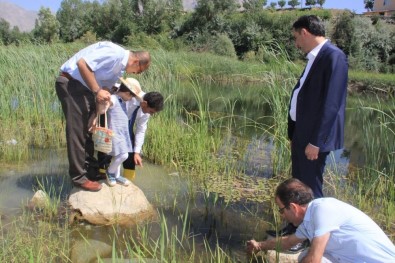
(139, 136)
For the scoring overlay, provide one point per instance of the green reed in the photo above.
(377, 178)
(200, 142)
(27, 238)
(29, 104)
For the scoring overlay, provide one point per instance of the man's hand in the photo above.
(311, 152)
(102, 96)
(253, 246)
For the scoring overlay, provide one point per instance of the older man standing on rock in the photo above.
(85, 79)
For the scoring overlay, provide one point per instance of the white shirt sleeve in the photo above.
(141, 127)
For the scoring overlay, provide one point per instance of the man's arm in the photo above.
(334, 88)
(317, 249)
(90, 80)
(284, 243)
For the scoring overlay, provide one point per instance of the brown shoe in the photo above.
(90, 186)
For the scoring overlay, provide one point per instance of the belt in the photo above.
(66, 75)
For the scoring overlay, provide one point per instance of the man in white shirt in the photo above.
(84, 80)
(338, 232)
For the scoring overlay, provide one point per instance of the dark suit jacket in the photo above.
(321, 102)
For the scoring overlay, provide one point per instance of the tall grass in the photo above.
(203, 142)
(377, 179)
(30, 112)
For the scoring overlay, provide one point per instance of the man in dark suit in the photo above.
(316, 109)
(317, 105)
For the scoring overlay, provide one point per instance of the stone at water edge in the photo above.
(123, 205)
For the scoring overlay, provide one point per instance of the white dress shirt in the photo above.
(141, 122)
(107, 61)
(311, 57)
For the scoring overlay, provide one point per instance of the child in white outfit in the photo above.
(118, 123)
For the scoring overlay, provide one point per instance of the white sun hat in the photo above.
(134, 86)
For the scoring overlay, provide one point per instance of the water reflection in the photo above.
(210, 219)
(251, 112)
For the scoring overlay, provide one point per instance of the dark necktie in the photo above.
(131, 124)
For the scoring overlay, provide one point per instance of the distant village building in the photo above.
(383, 8)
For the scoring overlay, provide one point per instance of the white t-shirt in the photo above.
(354, 236)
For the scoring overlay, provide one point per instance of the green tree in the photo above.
(321, 3)
(71, 16)
(175, 11)
(281, 3)
(4, 32)
(109, 19)
(369, 4)
(11, 36)
(222, 45)
(158, 15)
(293, 3)
(310, 2)
(16, 36)
(209, 16)
(249, 31)
(273, 5)
(343, 32)
(254, 5)
(47, 27)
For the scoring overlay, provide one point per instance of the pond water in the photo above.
(246, 103)
(228, 225)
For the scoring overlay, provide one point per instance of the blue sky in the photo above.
(34, 5)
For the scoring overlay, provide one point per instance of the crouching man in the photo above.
(338, 232)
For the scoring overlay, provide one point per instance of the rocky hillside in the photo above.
(17, 16)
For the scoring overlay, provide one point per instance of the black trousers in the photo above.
(78, 105)
(309, 172)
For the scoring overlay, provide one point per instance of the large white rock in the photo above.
(124, 205)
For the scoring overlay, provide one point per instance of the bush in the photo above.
(168, 44)
(223, 46)
(219, 44)
(142, 41)
(249, 56)
(88, 38)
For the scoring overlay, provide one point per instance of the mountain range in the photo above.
(18, 16)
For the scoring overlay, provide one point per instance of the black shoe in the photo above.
(299, 247)
(99, 176)
(286, 231)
